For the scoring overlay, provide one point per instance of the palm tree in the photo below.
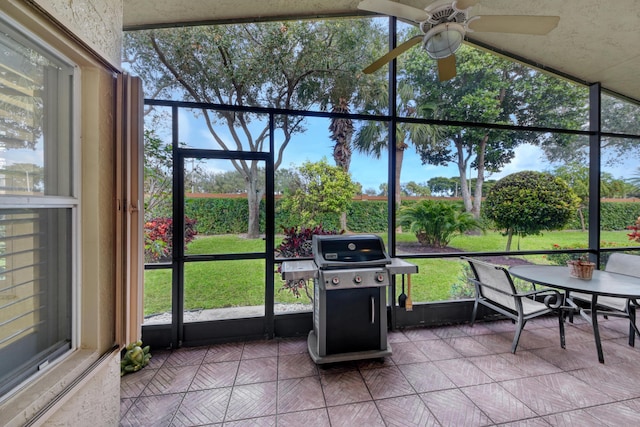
(372, 138)
(341, 132)
(635, 179)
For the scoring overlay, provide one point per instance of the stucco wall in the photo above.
(96, 22)
(93, 403)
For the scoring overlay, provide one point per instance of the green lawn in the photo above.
(240, 283)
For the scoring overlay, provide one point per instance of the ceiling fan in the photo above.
(444, 24)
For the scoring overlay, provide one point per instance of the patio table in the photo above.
(602, 283)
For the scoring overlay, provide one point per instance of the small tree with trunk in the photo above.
(527, 203)
(322, 188)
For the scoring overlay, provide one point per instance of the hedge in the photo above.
(613, 216)
(218, 216)
(230, 216)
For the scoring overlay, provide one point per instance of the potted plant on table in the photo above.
(581, 268)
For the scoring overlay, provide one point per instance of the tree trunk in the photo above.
(254, 196)
(465, 192)
(400, 147)
(477, 200)
(343, 221)
(464, 188)
(582, 222)
(509, 238)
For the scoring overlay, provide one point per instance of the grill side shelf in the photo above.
(400, 266)
(296, 270)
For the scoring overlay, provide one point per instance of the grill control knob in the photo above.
(357, 280)
(380, 278)
(335, 281)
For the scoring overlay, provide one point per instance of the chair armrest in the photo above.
(538, 292)
(553, 298)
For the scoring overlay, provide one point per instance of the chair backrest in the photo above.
(488, 276)
(624, 264)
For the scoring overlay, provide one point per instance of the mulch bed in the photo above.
(417, 248)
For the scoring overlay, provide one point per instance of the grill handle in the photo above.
(373, 311)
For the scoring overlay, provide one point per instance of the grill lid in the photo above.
(351, 251)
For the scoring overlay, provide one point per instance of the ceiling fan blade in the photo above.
(516, 24)
(465, 4)
(447, 68)
(391, 8)
(389, 56)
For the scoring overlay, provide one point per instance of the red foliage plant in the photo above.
(158, 237)
(635, 231)
(297, 244)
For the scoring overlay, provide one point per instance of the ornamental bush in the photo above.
(158, 237)
(529, 202)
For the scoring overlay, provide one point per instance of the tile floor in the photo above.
(441, 376)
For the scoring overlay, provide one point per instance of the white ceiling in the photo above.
(595, 41)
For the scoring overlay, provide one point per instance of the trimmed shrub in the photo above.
(529, 202)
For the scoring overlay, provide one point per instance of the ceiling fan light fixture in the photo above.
(443, 40)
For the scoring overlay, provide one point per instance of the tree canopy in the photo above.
(493, 90)
(372, 137)
(157, 176)
(577, 176)
(617, 116)
(443, 186)
(289, 65)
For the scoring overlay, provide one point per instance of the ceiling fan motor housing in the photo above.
(444, 30)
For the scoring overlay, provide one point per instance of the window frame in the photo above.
(69, 200)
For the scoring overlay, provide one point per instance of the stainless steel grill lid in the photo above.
(349, 251)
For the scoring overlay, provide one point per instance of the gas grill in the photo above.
(351, 275)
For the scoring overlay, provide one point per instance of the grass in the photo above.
(216, 284)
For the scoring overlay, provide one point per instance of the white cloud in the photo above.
(527, 157)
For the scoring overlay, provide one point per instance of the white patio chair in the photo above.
(617, 307)
(495, 289)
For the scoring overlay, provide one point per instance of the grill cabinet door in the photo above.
(349, 320)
